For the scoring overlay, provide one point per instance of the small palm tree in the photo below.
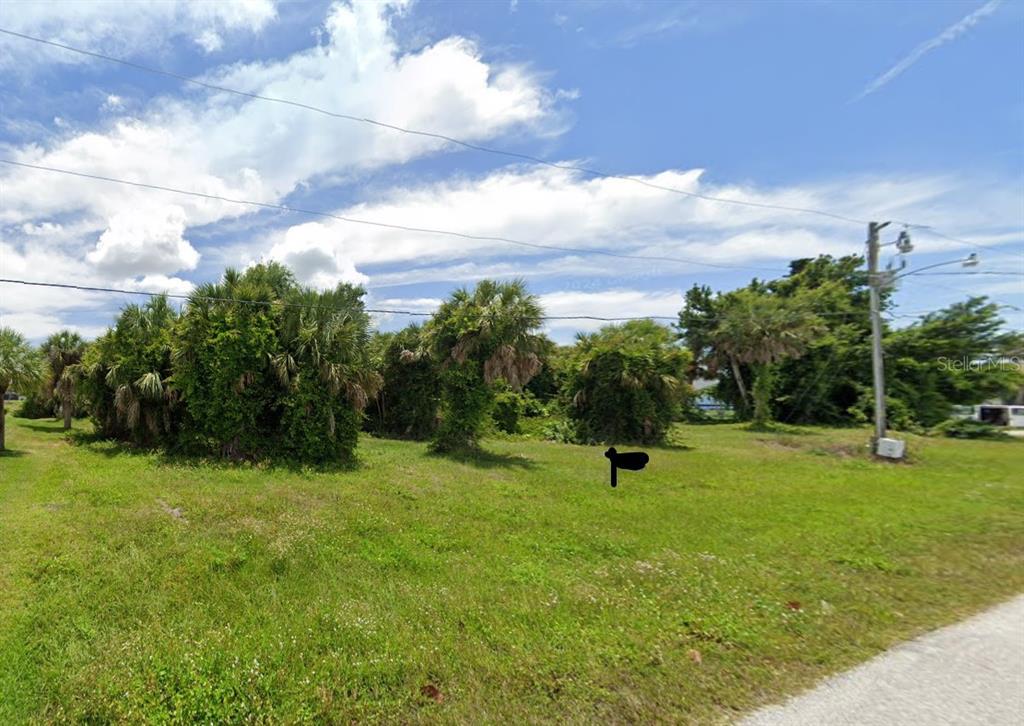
(761, 330)
(19, 366)
(479, 337)
(64, 352)
(626, 382)
(125, 374)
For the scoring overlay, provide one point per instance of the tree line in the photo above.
(258, 366)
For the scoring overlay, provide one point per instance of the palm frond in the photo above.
(150, 386)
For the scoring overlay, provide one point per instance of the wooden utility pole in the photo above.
(877, 364)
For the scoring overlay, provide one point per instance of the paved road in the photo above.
(969, 673)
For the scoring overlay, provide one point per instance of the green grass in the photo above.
(519, 585)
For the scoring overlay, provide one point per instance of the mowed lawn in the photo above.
(514, 587)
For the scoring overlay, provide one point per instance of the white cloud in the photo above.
(159, 283)
(948, 35)
(215, 143)
(121, 28)
(36, 326)
(610, 303)
(615, 303)
(112, 102)
(37, 311)
(562, 208)
(316, 256)
(210, 41)
(145, 241)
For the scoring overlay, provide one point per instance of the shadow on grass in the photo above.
(483, 459)
(182, 459)
(12, 453)
(54, 428)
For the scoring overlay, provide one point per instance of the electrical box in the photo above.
(890, 448)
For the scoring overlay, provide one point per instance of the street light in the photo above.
(972, 260)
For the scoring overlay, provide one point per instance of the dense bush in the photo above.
(406, 404)
(222, 363)
(546, 385)
(626, 383)
(509, 407)
(560, 429)
(477, 339)
(285, 374)
(254, 367)
(37, 403)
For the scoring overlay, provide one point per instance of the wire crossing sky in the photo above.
(477, 147)
(611, 156)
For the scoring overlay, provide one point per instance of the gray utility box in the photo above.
(890, 448)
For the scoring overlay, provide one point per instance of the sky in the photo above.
(869, 110)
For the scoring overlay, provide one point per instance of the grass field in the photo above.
(514, 587)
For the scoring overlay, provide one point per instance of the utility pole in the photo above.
(877, 365)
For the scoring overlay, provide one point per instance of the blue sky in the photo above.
(911, 111)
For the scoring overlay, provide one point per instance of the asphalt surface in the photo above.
(968, 673)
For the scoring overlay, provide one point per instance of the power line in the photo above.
(268, 303)
(477, 147)
(278, 303)
(930, 230)
(386, 225)
(430, 134)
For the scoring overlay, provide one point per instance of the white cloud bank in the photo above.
(567, 209)
(255, 150)
(123, 27)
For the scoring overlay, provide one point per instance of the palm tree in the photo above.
(760, 330)
(478, 338)
(19, 366)
(126, 371)
(63, 351)
(625, 382)
(325, 334)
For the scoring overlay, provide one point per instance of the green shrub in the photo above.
(625, 383)
(466, 403)
(509, 407)
(37, 404)
(560, 429)
(288, 376)
(966, 428)
(222, 367)
(407, 402)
